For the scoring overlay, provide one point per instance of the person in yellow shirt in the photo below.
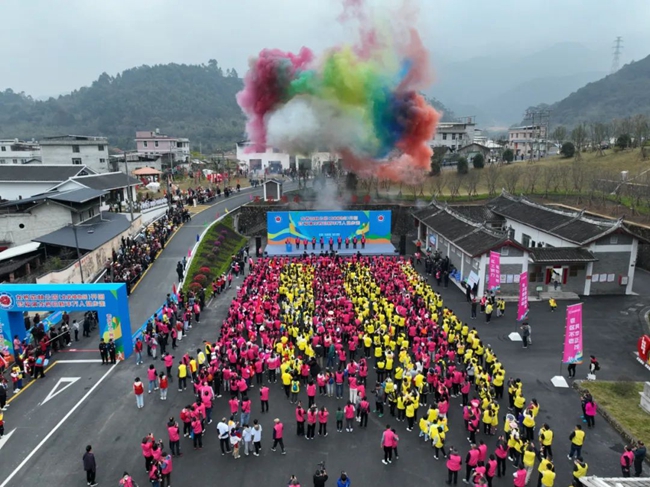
(519, 402)
(529, 460)
(410, 406)
(529, 425)
(286, 382)
(182, 376)
(546, 440)
(438, 440)
(546, 471)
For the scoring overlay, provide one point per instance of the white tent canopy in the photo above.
(19, 250)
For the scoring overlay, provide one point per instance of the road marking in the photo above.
(54, 430)
(78, 350)
(28, 385)
(63, 380)
(81, 361)
(5, 438)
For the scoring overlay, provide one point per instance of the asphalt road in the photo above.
(49, 439)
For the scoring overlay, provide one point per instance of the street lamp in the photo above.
(76, 243)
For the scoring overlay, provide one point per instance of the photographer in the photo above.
(320, 477)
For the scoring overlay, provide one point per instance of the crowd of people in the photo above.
(135, 254)
(371, 332)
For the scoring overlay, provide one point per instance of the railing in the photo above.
(147, 205)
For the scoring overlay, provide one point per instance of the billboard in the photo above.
(281, 225)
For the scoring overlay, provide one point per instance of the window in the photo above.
(100, 147)
(146, 144)
(613, 239)
(76, 161)
(91, 213)
(505, 251)
(573, 270)
(532, 243)
(525, 240)
(536, 274)
(444, 137)
(155, 143)
(4, 149)
(453, 136)
(102, 161)
(15, 161)
(76, 148)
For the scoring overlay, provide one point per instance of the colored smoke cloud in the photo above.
(359, 100)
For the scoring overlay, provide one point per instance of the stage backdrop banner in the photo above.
(494, 277)
(573, 335)
(522, 305)
(283, 225)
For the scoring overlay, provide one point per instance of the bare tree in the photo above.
(579, 137)
(531, 178)
(559, 134)
(640, 130)
(492, 173)
(470, 182)
(598, 133)
(510, 178)
(578, 175)
(549, 176)
(438, 184)
(454, 183)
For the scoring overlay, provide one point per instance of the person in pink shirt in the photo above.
(174, 437)
(169, 363)
(166, 470)
(312, 414)
(520, 477)
(311, 393)
(197, 430)
(147, 453)
(352, 384)
(245, 410)
(349, 413)
(387, 443)
(278, 433)
(234, 406)
(152, 377)
(323, 414)
(264, 398)
(206, 400)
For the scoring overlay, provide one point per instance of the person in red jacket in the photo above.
(297, 242)
(363, 241)
(627, 459)
(264, 398)
(138, 390)
(454, 462)
(197, 429)
(347, 242)
(520, 476)
(137, 348)
(338, 241)
(166, 470)
(174, 437)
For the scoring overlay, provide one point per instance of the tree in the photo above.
(508, 155)
(559, 134)
(436, 159)
(531, 177)
(579, 137)
(439, 182)
(624, 141)
(640, 129)
(470, 182)
(548, 179)
(462, 167)
(454, 183)
(568, 149)
(510, 178)
(478, 161)
(492, 174)
(599, 133)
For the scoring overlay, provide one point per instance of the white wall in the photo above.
(89, 154)
(537, 235)
(41, 221)
(17, 190)
(265, 157)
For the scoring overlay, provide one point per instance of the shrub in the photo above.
(478, 161)
(508, 155)
(205, 270)
(212, 256)
(201, 279)
(568, 149)
(195, 287)
(624, 387)
(462, 167)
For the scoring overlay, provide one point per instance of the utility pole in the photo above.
(539, 119)
(128, 187)
(617, 48)
(76, 243)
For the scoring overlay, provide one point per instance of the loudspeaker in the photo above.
(402, 245)
(258, 244)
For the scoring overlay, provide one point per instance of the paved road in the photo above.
(109, 420)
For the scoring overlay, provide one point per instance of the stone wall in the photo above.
(610, 263)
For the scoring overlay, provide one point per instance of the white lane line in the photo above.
(5, 438)
(81, 361)
(59, 424)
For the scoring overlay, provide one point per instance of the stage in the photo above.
(371, 249)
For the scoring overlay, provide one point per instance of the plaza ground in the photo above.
(109, 420)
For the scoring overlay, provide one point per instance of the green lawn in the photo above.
(621, 400)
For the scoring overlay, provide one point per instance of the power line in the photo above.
(617, 48)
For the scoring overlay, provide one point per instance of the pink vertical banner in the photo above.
(522, 305)
(573, 335)
(494, 274)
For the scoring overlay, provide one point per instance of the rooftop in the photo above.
(472, 237)
(571, 226)
(107, 181)
(41, 173)
(551, 255)
(73, 196)
(91, 234)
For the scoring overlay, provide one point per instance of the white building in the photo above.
(172, 150)
(274, 161)
(528, 140)
(78, 150)
(24, 181)
(14, 151)
(454, 135)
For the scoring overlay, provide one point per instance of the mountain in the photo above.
(499, 88)
(619, 95)
(195, 101)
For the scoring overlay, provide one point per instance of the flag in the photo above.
(494, 276)
(522, 305)
(573, 335)
(189, 252)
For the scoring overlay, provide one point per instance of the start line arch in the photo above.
(108, 299)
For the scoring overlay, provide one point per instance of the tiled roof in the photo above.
(91, 235)
(107, 181)
(477, 213)
(472, 237)
(561, 254)
(571, 226)
(41, 173)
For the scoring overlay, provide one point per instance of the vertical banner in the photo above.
(522, 305)
(573, 335)
(494, 276)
